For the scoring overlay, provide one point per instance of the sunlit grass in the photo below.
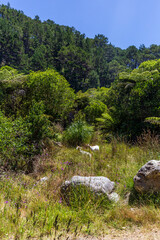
(30, 208)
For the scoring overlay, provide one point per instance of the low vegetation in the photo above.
(31, 208)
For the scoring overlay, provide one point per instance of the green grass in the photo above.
(30, 209)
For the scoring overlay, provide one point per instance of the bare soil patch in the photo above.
(125, 234)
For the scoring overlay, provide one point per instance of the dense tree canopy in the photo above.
(53, 90)
(136, 96)
(30, 44)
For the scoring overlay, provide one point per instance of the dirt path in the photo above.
(134, 234)
(150, 233)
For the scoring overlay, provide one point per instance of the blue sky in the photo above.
(124, 22)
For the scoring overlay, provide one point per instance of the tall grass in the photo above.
(34, 209)
(78, 133)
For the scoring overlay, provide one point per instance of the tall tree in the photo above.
(74, 65)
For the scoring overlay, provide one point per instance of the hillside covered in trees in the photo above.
(30, 44)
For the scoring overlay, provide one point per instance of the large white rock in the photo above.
(98, 185)
(148, 177)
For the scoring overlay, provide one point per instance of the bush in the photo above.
(20, 139)
(38, 122)
(78, 133)
(94, 110)
(15, 148)
(12, 93)
(54, 90)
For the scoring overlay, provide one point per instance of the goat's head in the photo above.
(78, 147)
(87, 145)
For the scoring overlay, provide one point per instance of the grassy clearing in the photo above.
(33, 209)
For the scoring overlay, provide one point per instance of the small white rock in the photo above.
(43, 179)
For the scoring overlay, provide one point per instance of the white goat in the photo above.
(93, 148)
(84, 152)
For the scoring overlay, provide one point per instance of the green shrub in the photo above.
(137, 198)
(38, 122)
(78, 133)
(54, 90)
(15, 148)
(94, 110)
(20, 139)
(12, 93)
(7, 72)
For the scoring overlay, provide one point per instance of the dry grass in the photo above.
(29, 207)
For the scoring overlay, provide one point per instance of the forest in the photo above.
(29, 44)
(58, 90)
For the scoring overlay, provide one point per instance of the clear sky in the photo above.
(124, 22)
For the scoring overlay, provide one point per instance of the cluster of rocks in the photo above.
(147, 180)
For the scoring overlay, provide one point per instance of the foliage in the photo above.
(36, 106)
(39, 58)
(7, 72)
(101, 94)
(20, 139)
(75, 66)
(106, 123)
(135, 97)
(94, 110)
(137, 198)
(82, 100)
(78, 133)
(93, 79)
(38, 123)
(15, 148)
(51, 88)
(10, 78)
(92, 97)
(30, 44)
(153, 120)
(11, 90)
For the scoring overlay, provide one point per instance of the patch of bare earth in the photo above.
(150, 233)
(134, 234)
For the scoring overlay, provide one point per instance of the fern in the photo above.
(106, 122)
(153, 120)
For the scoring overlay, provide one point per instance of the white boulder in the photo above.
(98, 185)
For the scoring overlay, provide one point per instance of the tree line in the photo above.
(30, 44)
